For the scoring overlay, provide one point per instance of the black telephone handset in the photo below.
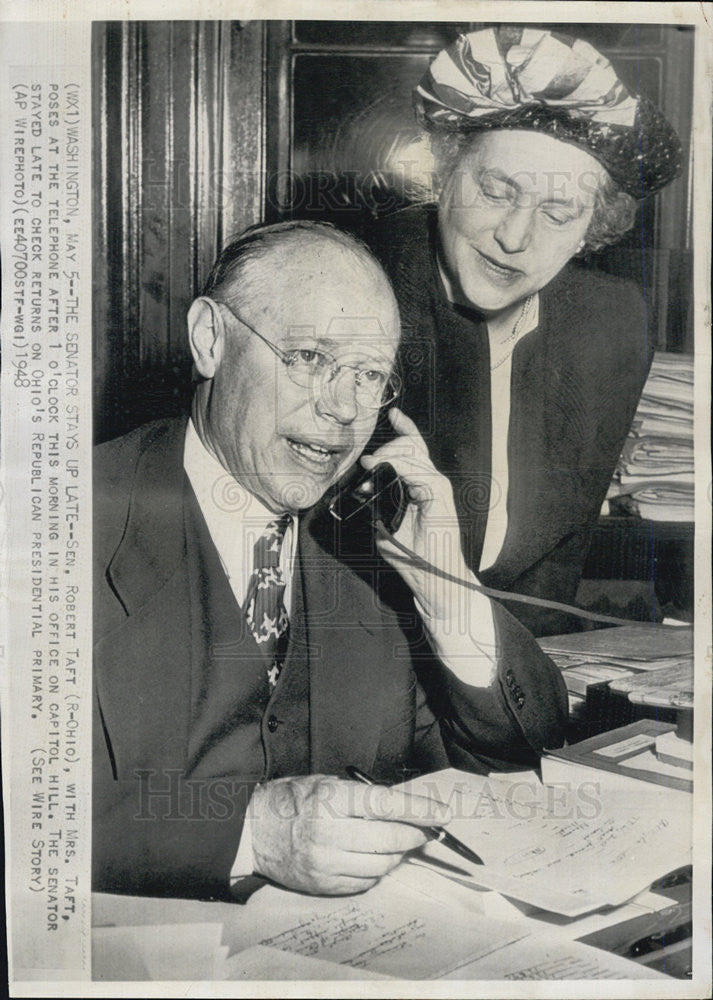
(378, 495)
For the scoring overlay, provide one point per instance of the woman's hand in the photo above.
(430, 527)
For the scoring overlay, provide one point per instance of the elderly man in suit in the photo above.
(248, 647)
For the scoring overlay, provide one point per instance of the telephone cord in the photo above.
(505, 595)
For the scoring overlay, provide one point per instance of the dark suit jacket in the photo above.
(366, 707)
(576, 381)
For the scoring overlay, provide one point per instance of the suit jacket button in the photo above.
(273, 723)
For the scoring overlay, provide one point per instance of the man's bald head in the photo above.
(263, 267)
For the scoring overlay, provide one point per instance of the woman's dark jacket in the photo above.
(575, 384)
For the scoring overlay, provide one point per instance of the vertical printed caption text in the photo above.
(48, 295)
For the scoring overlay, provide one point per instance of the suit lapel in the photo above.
(153, 544)
(143, 665)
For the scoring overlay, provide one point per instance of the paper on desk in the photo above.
(426, 883)
(571, 928)
(116, 956)
(542, 952)
(263, 963)
(569, 850)
(532, 957)
(535, 955)
(648, 761)
(382, 931)
(158, 952)
(416, 878)
(541, 956)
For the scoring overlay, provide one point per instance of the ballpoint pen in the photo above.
(437, 832)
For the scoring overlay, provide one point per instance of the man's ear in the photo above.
(205, 335)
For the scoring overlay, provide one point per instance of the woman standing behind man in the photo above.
(521, 369)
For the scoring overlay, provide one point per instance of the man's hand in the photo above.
(430, 527)
(327, 836)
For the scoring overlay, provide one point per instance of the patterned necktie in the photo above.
(265, 611)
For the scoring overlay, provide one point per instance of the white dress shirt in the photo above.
(500, 375)
(235, 518)
(501, 349)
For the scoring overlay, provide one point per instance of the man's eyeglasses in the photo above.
(312, 367)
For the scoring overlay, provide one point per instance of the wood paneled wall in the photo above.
(178, 168)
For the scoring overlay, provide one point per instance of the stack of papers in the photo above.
(654, 475)
(639, 646)
(594, 663)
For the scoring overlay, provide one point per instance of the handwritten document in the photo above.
(568, 849)
(532, 957)
(382, 931)
(263, 963)
(361, 938)
(539, 957)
